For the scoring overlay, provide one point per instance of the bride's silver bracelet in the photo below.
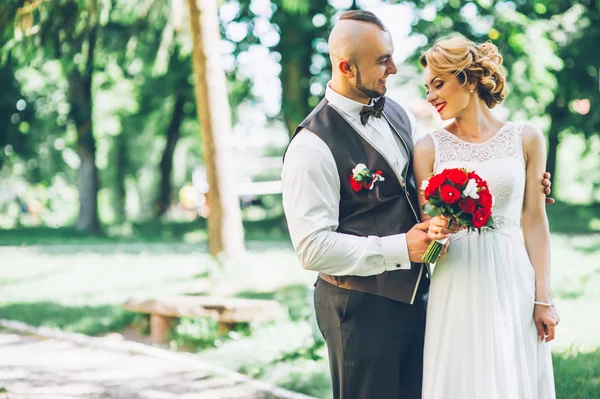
(543, 303)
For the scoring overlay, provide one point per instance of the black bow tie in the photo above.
(376, 110)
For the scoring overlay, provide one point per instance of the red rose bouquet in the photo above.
(461, 195)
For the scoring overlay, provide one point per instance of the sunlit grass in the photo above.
(577, 375)
(193, 234)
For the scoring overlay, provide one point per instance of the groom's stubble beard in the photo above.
(367, 92)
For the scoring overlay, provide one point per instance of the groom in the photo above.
(365, 241)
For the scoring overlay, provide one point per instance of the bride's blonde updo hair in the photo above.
(470, 63)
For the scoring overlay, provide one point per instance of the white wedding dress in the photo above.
(481, 341)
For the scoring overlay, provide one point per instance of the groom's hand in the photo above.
(417, 241)
(547, 183)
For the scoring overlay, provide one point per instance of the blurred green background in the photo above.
(103, 90)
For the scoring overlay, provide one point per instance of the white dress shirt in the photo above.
(311, 197)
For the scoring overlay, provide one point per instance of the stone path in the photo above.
(58, 365)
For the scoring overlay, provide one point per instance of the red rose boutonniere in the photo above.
(362, 177)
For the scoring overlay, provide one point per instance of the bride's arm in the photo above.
(536, 231)
(424, 156)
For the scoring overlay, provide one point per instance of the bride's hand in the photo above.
(438, 227)
(546, 319)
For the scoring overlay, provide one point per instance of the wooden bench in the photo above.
(227, 311)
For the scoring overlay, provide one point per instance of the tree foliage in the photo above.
(296, 31)
(548, 47)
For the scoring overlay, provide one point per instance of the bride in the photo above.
(490, 314)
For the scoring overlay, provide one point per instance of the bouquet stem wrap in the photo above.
(434, 250)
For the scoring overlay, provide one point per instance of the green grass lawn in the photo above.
(153, 231)
(80, 285)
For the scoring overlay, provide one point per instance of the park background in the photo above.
(105, 168)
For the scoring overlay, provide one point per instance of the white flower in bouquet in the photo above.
(471, 189)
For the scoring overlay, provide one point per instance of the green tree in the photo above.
(578, 93)
(302, 27)
(15, 116)
(68, 32)
(161, 62)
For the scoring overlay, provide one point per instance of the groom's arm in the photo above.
(311, 196)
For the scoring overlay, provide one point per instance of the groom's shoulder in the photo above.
(315, 112)
(406, 115)
(389, 100)
(394, 104)
(306, 139)
(398, 109)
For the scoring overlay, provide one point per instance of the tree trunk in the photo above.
(166, 163)
(293, 103)
(80, 100)
(121, 165)
(88, 221)
(225, 230)
(81, 114)
(295, 53)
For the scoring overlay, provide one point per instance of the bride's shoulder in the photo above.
(531, 130)
(425, 145)
(533, 140)
(531, 134)
(429, 139)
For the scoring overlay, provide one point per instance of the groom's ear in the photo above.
(346, 68)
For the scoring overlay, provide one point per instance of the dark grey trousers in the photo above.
(375, 344)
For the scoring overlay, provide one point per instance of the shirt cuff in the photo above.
(395, 252)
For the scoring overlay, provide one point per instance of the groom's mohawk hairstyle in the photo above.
(363, 16)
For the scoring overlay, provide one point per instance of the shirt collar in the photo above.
(349, 106)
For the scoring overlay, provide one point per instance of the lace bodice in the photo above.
(498, 160)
